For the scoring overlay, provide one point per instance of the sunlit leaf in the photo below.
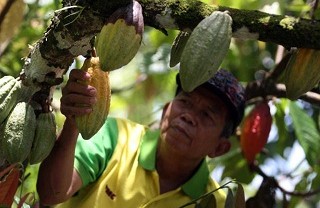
(307, 133)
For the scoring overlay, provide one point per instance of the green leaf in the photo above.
(235, 166)
(306, 132)
(240, 201)
(230, 199)
(284, 139)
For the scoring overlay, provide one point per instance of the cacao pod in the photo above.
(10, 90)
(18, 133)
(255, 131)
(89, 124)
(44, 139)
(177, 47)
(120, 38)
(302, 72)
(205, 50)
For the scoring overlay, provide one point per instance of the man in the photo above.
(128, 165)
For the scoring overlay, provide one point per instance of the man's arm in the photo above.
(57, 178)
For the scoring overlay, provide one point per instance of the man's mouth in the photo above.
(181, 130)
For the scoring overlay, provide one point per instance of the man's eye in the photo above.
(208, 115)
(183, 100)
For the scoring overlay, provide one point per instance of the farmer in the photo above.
(128, 165)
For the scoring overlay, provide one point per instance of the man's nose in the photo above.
(189, 117)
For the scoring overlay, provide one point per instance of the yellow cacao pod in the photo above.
(120, 38)
(10, 90)
(89, 124)
(205, 50)
(44, 138)
(18, 133)
(302, 72)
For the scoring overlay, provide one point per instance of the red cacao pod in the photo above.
(255, 131)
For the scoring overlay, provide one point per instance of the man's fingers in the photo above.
(77, 99)
(77, 88)
(77, 74)
(71, 111)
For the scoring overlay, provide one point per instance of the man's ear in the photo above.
(222, 148)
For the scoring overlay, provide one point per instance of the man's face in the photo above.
(192, 124)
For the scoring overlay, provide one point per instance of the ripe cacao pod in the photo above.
(89, 124)
(10, 91)
(44, 138)
(205, 50)
(255, 131)
(120, 38)
(18, 133)
(302, 72)
(177, 47)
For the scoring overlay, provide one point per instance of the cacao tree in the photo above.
(265, 35)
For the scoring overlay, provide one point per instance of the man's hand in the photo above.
(77, 98)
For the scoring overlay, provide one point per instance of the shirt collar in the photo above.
(194, 187)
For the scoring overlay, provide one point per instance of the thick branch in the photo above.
(247, 24)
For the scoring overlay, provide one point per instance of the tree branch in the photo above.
(247, 24)
(74, 27)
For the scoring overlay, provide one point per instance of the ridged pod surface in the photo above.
(18, 133)
(177, 47)
(90, 124)
(10, 90)
(120, 38)
(44, 139)
(205, 50)
(302, 72)
(255, 131)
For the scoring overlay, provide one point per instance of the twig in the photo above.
(254, 167)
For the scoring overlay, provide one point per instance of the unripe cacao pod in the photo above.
(177, 47)
(89, 124)
(10, 90)
(18, 133)
(120, 38)
(44, 139)
(255, 131)
(205, 50)
(302, 72)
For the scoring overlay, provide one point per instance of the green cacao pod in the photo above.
(10, 90)
(44, 138)
(90, 124)
(302, 72)
(18, 133)
(177, 47)
(120, 38)
(255, 131)
(205, 50)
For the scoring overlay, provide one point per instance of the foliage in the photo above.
(142, 87)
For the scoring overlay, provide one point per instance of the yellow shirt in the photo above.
(130, 179)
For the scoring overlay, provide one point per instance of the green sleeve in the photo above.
(93, 155)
